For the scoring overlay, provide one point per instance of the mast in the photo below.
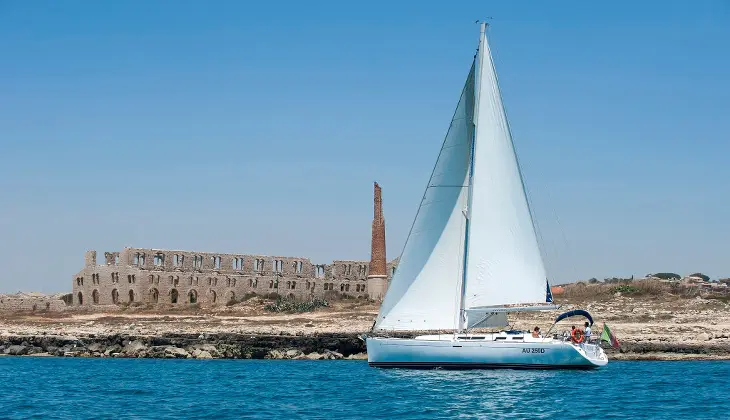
(467, 212)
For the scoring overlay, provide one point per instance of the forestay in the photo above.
(424, 292)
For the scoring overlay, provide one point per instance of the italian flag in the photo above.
(607, 335)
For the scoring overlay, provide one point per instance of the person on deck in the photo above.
(588, 332)
(536, 332)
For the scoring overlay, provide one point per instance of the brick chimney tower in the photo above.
(377, 281)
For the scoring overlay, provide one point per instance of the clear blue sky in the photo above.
(258, 127)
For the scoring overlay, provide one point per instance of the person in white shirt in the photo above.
(588, 332)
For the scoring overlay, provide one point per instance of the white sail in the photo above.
(425, 290)
(504, 265)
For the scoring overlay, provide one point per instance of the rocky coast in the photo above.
(652, 323)
(189, 346)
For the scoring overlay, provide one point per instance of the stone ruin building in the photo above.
(157, 276)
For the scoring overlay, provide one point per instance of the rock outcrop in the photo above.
(189, 346)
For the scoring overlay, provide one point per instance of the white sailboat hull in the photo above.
(445, 352)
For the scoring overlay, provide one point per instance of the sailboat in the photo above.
(472, 254)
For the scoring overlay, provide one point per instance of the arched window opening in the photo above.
(115, 296)
(131, 296)
(173, 296)
(154, 296)
(80, 298)
(95, 296)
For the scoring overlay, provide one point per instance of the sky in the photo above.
(259, 127)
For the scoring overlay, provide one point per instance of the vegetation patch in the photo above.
(606, 290)
(244, 298)
(625, 289)
(295, 306)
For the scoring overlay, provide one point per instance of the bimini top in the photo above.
(575, 312)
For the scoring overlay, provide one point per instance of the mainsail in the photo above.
(424, 292)
(476, 180)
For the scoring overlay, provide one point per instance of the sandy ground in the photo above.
(247, 317)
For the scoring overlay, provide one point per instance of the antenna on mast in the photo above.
(484, 21)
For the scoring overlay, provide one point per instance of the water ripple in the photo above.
(60, 388)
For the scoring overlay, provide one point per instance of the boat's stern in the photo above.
(592, 353)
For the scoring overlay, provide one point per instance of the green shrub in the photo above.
(291, 305)
(625, 288)
(667, 276)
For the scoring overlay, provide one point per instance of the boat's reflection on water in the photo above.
(529, 393)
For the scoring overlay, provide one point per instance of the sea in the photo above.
(80, 388)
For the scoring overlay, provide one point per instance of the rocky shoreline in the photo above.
(189, 346)
(296, 347)
(658, 323)
(647, 350)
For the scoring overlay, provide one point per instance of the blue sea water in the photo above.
(66, 388)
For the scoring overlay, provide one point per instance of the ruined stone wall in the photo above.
(31, 302)
(158, 276)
